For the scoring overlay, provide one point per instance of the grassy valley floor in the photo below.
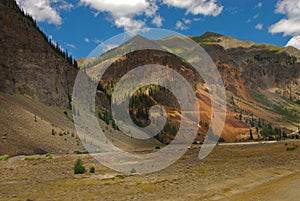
(238, 172)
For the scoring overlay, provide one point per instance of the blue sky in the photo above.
(81, 25)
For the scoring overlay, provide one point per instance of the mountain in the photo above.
(36, 86)
(29, 64)
(37, 79)
(261, 82)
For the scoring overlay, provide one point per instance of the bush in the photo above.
(53, 131)
(48, 156)
(157, 147)
(133, 170)
(291, 148)
(4, 158)
(120, 176)
(92, 169)
(78, 167)
(81, 152)
(33, 158)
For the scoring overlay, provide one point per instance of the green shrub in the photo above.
(32, 158)
(81, 152)
(49, 156)
(291, 148)
(78, 167)
(4, 158)
(133, 170)
(120, 176)
(157, 147)
(92, 169)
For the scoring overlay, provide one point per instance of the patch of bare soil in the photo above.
(241, 172)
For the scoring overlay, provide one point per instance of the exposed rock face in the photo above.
(28, 64)
(257, 66)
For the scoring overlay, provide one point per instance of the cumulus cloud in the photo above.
(157, 21)
(118, 8)
(87, 40)
(290, 25)
(295, 42)
(180, 26)
(123, 12)
(129, 24)
(41, 10)
(259, 26)
(45, 10)
(197, 7)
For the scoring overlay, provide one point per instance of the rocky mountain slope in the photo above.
(261, 81)
(35, 90)
(29, 65)
(260, 66)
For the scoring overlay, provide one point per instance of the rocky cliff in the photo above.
(29, 65)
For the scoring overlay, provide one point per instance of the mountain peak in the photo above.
(211, 34)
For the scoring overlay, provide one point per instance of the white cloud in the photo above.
(256, 16)
(197, 7)
(259, 26)
(187, 21)
(87, 40)
(196, 19)
(129, 24)
(157, 21)
(41, 10)
(107, 47)
(96, 40)
(45, 10)
(151, 9)
(295, 42)
(123, 12)
(64, 5)
(259, 4)
(288, 27)
(118, 8)
(291, 24)
(70, 45)
(180, 25)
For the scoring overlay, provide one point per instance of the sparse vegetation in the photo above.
(33, 158)
(81, 152)
(291, 148)
(120, 176)
(49, 156)
(4, 158)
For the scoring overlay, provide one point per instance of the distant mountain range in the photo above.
(262, 84)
